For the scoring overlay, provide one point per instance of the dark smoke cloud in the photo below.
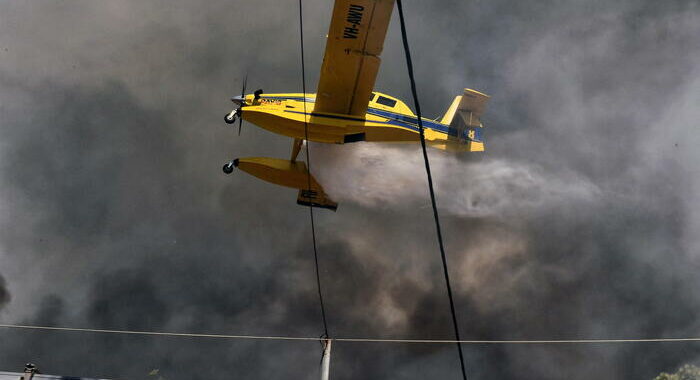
(580, 221)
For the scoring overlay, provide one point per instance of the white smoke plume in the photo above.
(384, 176)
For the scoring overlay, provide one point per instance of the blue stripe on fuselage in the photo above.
(391, 122)
(409, 119)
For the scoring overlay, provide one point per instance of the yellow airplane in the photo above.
(345, 109)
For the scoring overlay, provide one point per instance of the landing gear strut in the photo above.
(230, 117)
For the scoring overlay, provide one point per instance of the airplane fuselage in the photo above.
(293, 115)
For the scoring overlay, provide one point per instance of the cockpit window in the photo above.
(371, 96)
(386, 101)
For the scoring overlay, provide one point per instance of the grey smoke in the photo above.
(580, 221)
(4, 293)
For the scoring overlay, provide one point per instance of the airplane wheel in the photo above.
(230, 119)
(228, 168)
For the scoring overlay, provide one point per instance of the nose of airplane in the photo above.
(238, 99)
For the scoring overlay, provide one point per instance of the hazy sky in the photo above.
(582, 219)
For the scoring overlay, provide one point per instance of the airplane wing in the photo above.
(351, 62)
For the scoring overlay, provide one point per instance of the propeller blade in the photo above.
(240, 116)
(245, 81)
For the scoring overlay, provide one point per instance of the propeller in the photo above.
(240, 119)
(240, 100)
(231, 116)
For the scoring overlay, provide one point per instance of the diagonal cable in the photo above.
(409, 64)
(308, 172)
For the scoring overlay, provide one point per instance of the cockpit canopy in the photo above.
(389, 103)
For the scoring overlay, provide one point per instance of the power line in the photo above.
(409, 65)
(308, 171)
(555, 341)
(356, 340)
(153, 333)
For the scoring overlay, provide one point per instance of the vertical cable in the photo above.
(430, 186)
(308, 171)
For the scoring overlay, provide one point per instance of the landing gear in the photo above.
(230, 117)
(228, 167)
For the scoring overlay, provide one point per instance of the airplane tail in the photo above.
(464, 119)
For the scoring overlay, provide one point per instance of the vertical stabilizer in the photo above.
(450, 114)
(464, 118)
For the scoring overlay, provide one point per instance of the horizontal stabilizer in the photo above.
(474, 101)
(466, 109)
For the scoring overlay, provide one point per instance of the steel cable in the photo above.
(409, 65)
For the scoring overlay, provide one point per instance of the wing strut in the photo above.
(296, 148)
